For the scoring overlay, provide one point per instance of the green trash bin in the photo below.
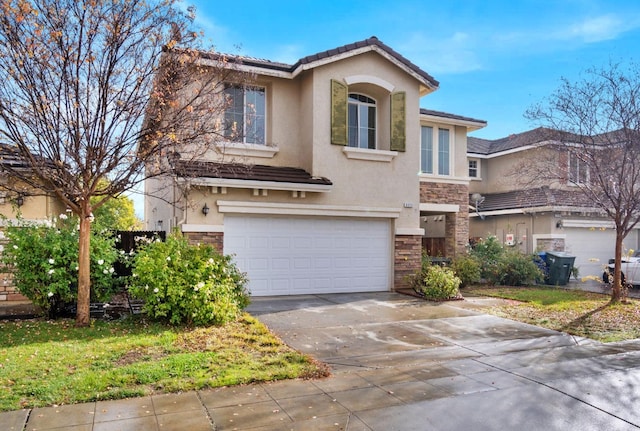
(560, 265)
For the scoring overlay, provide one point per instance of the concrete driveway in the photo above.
(398, 363)
(401, 363)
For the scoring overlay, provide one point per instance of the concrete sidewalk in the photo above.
(399, 363)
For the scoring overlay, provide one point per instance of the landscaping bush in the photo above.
(435, 282)
(504, 266)
(187, 284)
(488, 252)
(43, 260)
(467, 269)
(518, 269)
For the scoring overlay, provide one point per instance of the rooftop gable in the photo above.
(311, 61)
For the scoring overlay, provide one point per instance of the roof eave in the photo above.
(258, 185)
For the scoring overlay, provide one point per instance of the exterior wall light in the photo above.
(20, 200)
(205, 209)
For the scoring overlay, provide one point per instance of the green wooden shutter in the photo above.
(338, 113)
(398, 121)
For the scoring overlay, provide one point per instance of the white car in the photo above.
(630, 269)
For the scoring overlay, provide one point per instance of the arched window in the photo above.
(362, 121)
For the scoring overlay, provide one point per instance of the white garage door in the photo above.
(302, 255)
(594, 248)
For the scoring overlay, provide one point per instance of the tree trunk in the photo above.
(616, 288)
(84, 264)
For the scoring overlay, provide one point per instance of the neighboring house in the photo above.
(20, 200)
(531, 217)
(332, 177)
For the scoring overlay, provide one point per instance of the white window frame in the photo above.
(477, 176)
(435, 169)
(359, 104)
(244, 137)
(577, 174)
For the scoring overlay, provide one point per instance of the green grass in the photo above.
(52, 362)
(576, 312)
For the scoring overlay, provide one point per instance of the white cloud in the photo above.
(456, 53)
(597, 29)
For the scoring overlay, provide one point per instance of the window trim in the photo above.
(478, 175)
(435, 151)
(243, 138)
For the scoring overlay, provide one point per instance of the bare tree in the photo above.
(594, 130)
(86, 89)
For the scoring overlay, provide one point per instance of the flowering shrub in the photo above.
(43, 259)
(187, 284)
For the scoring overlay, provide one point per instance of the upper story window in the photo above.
(435, 151)
(244, 114)
(362, 121)
(474, 169)
(578, 169)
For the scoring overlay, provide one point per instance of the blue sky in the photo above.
(493, 58)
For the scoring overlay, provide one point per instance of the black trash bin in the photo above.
(559, 264)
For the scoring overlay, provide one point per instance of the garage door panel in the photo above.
(293, 255)
(281, 264)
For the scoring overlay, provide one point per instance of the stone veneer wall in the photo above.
(8, 291)
(214, 238)
(407, 259)
(457, 224)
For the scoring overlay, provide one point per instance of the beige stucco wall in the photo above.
(34, 208)
(522, 226)
(364, 182)
(518, 170)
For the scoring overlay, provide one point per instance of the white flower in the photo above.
(210, 260)
(146, 287)
(15, 247)
(134, 275)
(199, 286)
(111, 270)
(63, 216)
(168, 258)
(51, 271)
(156, 290)
(100, 262)
(50, 294)
(77, 267)
(51, 261)
(104, 271)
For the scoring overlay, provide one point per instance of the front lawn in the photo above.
(52, 362)
(576, 312)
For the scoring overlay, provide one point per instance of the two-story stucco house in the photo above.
(331, 177)
(540, 215)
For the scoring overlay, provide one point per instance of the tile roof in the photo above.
(239, 171)
(449, 116)
(12, 159)
(518, 140)
(532, 198)
(370, 42)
